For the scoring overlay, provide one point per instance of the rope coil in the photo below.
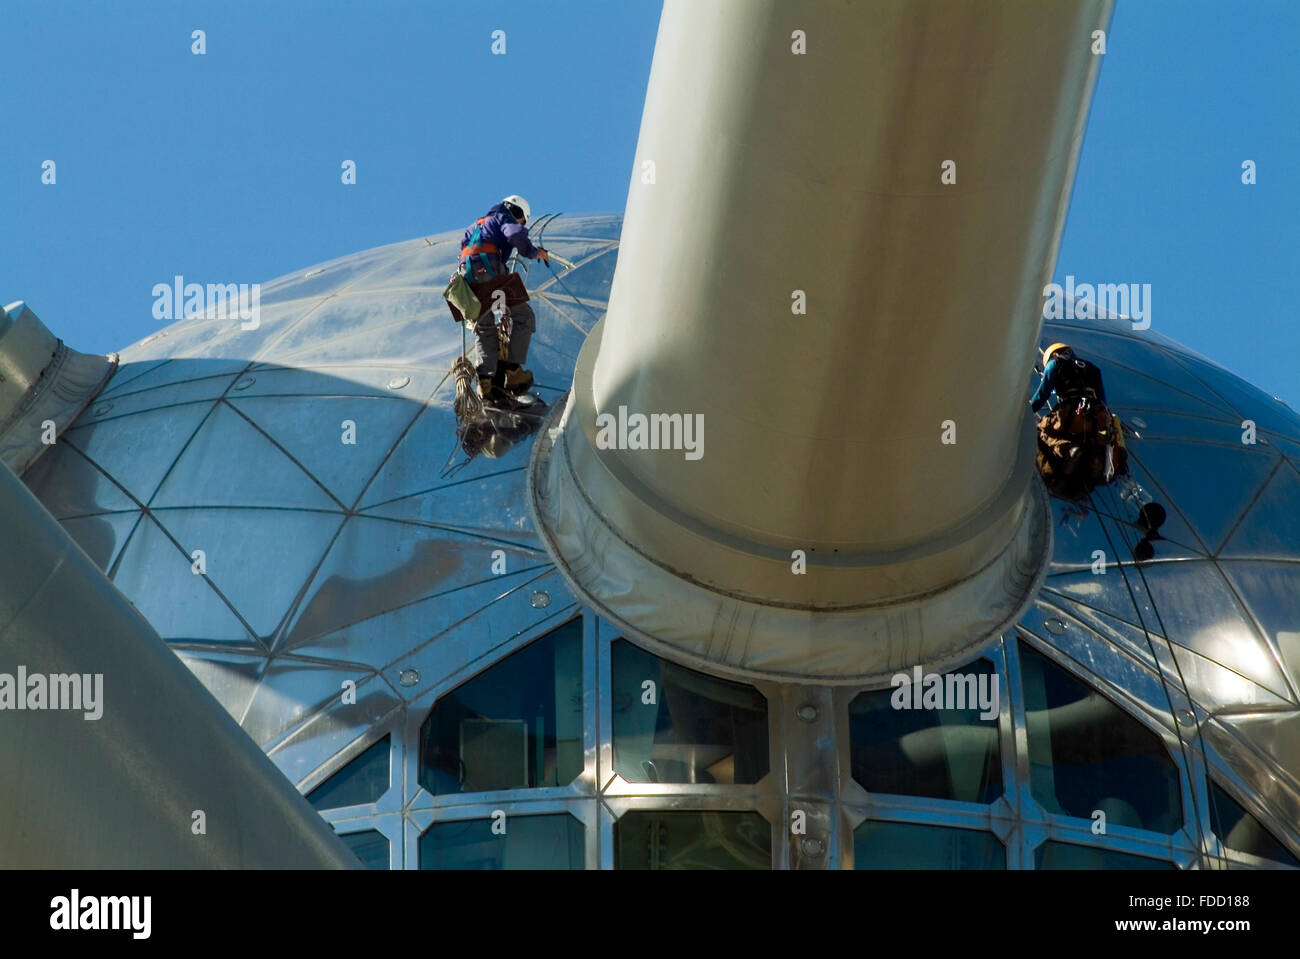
(468, 403)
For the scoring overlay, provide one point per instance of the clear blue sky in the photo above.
(225, 167)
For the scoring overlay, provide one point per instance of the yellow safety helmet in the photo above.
(1047, 353)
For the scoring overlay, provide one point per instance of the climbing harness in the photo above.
(484, 251)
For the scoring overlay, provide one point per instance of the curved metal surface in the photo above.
(812, 165)
(302, 593)
(43, 385)
(131, 763)
(855, 623)
(855, 421)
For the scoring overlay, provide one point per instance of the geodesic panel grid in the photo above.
(331, 594)
(289, 504)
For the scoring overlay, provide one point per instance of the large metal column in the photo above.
(162, 777)
(906, 176)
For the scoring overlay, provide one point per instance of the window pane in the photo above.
(692, 840)
(363, 780)
(529, 842)
(370, 846)
(1068, 855)
(674, 725)
(943, 753)
(517, 725)
(898, 845)
(1086, 754)
(1240, 831)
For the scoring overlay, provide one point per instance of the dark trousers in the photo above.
(503, 291)
(522, 324)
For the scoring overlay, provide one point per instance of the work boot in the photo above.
(518, 381)
(494, 395)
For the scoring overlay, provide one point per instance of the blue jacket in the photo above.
(1052, 375)
(504, 232)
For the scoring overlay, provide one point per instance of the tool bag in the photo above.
(461, 299)
(1080, 446)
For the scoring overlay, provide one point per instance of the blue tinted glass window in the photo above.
(899, 746)
(899, 845)
(511, 842)
(517, 725)
(363, 780)
(1087, 755)
(370, 846)
(1242, 832)
(674, 725)
(697, 839)
(1068, 855)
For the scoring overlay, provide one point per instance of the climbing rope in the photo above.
(468, 403)
(1162, 633)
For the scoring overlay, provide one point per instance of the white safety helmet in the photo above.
(517, 201)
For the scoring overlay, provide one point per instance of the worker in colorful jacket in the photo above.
(484, 250)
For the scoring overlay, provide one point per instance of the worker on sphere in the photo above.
(484, 250)
(1080, 442)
